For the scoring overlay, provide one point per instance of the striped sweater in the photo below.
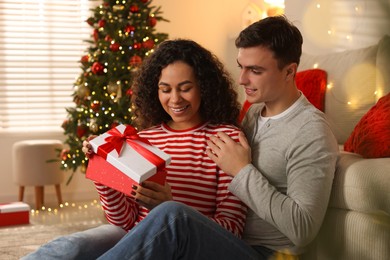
(194, 179)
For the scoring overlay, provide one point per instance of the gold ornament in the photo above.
(93, 126)
(83, 168)
(113, 88)
(97, 53)
(117, 8)
(82, 91)
(79, 81)
(119, 93)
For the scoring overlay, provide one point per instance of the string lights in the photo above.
(77, 207)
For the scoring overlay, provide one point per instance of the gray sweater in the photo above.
(288, 184)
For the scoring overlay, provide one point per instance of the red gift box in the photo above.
(14, 213)
(123, 158)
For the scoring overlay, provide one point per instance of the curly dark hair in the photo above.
(218, 98)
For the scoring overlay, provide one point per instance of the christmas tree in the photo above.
(123, 35)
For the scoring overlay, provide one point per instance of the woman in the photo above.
(183, 96)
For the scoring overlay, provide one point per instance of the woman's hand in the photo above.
(87, 147)
(151, 194)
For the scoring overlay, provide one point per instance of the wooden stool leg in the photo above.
(58, 191)
(21, 193)
(39, 191)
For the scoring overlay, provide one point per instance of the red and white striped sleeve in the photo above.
(119, 209)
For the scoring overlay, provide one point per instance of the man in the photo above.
(284, 173)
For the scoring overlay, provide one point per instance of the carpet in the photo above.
(17, 241)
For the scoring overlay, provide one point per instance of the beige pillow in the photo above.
(353, 79)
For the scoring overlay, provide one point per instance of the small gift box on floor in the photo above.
(123, 158)
(14, 213)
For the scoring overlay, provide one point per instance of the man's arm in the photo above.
(298, 212)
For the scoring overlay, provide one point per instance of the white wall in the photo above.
(214, 24)
(337, 25)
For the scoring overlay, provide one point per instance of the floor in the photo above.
(46, 224)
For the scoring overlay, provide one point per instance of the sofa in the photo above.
(357, 224)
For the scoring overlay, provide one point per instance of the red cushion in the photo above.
(371, 136)
(312, 83)
(243, 111)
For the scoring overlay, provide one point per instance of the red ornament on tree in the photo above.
(152, 21)
(96, 35)
(81, 130)
(115, 46)
(95, 105)
(64, 154)
(144, 1)
(148, 44)
(137, 45)
(134, 8)
(108, 38)
(135, 60)
(101, 23)
(85, 59)
(97, 68)
(129, 29)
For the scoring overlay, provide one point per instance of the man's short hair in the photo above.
(276, 33)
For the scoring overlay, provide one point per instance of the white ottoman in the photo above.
(30, 167)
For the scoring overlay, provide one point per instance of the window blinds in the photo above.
(41, 42)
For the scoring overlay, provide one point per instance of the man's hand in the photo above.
(151, 194)
(229, 155)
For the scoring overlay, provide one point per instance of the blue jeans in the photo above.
(175, 231)
(89, 244)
